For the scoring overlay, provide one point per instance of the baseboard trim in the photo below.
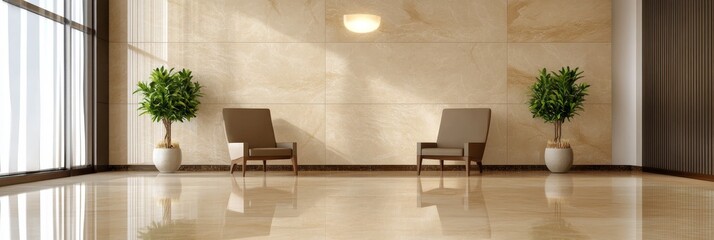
(698, 176)
(43, 175)
(102, 168)
(202, 168)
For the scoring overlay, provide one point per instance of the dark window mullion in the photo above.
(38, 10)
(53, 16)
(82, 28)
(68, 146)
(89, 99)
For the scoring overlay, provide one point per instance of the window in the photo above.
(45, 71)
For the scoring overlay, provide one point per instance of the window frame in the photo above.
(89, 37)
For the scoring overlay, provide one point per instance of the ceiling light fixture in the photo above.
(362, 23)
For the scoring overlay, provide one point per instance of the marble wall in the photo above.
(350, 98)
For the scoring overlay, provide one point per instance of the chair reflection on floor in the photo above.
(250, 211)
(462, 210)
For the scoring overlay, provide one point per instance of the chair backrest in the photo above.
(462, 125)
(249, 125)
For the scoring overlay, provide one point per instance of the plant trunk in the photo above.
(167, 136)
(165, 210)
(558, 131)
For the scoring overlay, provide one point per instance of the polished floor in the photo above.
(360, 205)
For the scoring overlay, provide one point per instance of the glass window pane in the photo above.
(4, 90)
(32, 91)
(78, 11)
(78, 97)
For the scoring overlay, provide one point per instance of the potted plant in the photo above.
(556, 97)
(169, 97)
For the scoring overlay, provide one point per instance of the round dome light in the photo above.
(362, 23)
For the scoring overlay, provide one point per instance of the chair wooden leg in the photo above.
(418, 165)
(295, 166)
(480, 167)
(245, 161)
(265, 166)
(441, 164)
(233, 164)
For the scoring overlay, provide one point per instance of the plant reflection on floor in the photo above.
(558, 190)
(168, 190)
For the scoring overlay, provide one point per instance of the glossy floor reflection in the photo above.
(359, 205)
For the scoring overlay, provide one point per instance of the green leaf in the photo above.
(169, 95)
(555, 96)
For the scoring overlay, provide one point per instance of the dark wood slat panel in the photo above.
(709, 61)
(678, 125)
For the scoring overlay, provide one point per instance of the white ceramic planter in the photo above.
(559, 160)
(167, 160)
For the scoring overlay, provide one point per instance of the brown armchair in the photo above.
(254, 129)
(462, 137)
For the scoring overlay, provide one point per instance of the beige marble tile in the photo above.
(421, 21)
(131, 63)
(589, 135)
(559, 20)
(229, 72)
(526, 59)
(118, 79)
(217, 21)
(250, 21)
(427, 55)
(416, 73)
(131, 137)
(203, 140)
(447, 208)
(256, 72)
(139, 20)
(387, 134)
(365, 205)
(118, 19)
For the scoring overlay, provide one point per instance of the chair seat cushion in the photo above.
(454, 152)
(271, 152)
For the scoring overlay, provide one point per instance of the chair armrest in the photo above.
(474, 150)
(422, 145)
(291, 145)
(234, 150)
